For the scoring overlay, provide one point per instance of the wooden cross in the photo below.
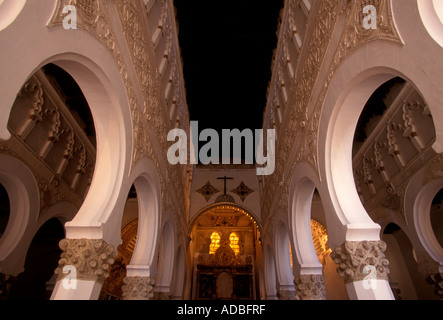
(225, 178)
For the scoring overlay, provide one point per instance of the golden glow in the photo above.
(233, 243)
(320, 238)
(215, 243)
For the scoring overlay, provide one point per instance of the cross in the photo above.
(225, 178)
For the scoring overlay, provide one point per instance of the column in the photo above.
(363, 266)
(82, 269)
(311, 287)
(138, 284)
(432, 271)
(287, 293)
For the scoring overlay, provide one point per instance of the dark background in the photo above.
(227, 48)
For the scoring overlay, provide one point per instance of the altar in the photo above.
(224, 276)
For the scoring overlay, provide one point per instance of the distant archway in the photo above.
(225, 244)
(437, 216)
(41, 261)
(404, 278)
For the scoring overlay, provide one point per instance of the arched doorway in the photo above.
(4, 209)
(41, 260)
(405, 279)
(225, 244)
(48, 164)
(112, 287)
(437, 216)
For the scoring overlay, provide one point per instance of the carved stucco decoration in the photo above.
(355, 259)
(138, 288)
(92, 17)
(101, 27)
(148, 118)
(320, 238)
(207, 191)
(436, 280)
(243, 191)
(303, 124)
(223, 257)
(298, 122)
(310, 287)
(49, 186)
(224, 198)
(90, 258)
(287, 295)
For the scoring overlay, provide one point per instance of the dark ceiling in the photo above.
(227, 48)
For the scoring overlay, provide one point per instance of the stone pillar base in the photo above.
(138, 288)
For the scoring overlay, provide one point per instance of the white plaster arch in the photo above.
(179, 273)
(9, 11)
(425, 76)
(113, 142)
(354, 81)
(431, 13)
(353, 221)
(95, 70)
(62, 211)
(282, 257)
(270, 275)
(300, 203)
(214, 205)
(421, 196)
(384, 216)
(145, 180)
(166, 259)
(24, 198)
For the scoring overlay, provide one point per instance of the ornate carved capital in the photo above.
(287, 295)
(356, 260)
(6, 282)
(138, 288)
(437, 281)
(311, 287)
(90, 258)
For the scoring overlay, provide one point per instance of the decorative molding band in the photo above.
(91, 258)
(311, 287)
(287, 295)
(138, 288)
(356, 260)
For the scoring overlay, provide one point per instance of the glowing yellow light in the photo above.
(233, 243)
(215, 243)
